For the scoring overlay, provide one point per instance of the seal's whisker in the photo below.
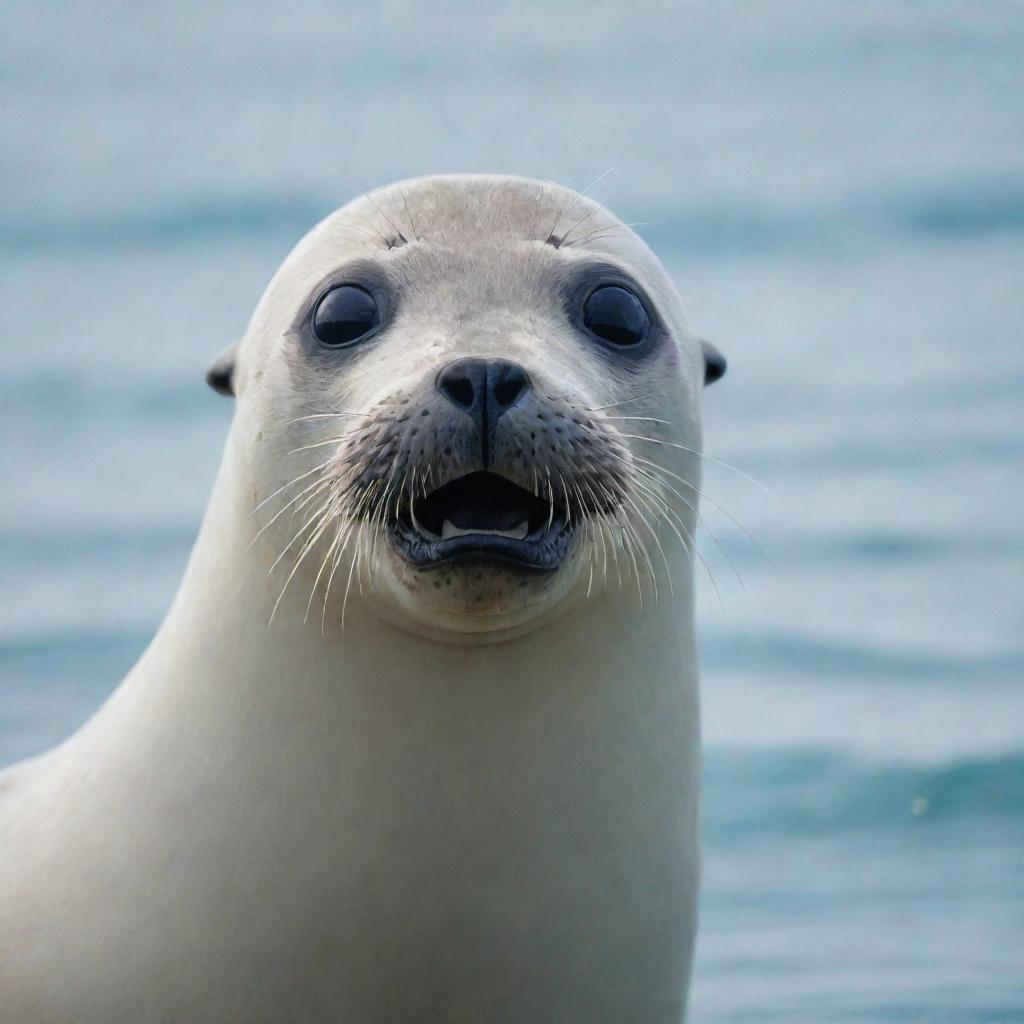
(596, 237)
(640, 473)
(551, 497)
(366, 514)
(701, 522)
(335, 562)
(412, 501)
(590, 559)
(348, 584)
(705, 497)
(714, 583)
(327, 416)
(645, 553)
(615, 405)
(607, 519)
(646, 419)
(370, 199)
(370, 547)
(292, 482)
(323, 520)
(589, 522)
(401, 493)
(576, 198)
(378, 531)
(317, 482)
(408, 213)
(603, 231)
(654, 535)
(392, 473)
(599, 518)
(311, 519)
(378, 528)
(316, 582)
(685, 537)
(373, 235)
(606, 543)
(583, 219)
(702, 455)
(711, 577)
(568, 503)
(330, 440)
(693, 547)
(377, 235)
(388, 220)
(334, 568)
(627, 539)
(638, 482)
(366, 542)
(312, 492)
(352, 529)
(365, 504)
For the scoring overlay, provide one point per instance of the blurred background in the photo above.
(838, 191)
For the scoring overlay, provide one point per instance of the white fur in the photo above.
(390, 822)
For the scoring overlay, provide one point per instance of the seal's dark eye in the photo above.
(344, 315)
(615, 315)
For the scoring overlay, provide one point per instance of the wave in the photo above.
(79, 653)
(205, 219)
(37, 394)
(885, 547)
(778, 655)
(818, 791)
(962, 209)
(35, 546)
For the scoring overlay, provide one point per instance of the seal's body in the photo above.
(441, 764)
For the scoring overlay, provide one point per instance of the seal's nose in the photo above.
(484, 388)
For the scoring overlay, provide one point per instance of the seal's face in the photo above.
(467, 395)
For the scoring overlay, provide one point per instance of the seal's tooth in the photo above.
(449, 530)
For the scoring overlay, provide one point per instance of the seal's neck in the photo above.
(526, 809)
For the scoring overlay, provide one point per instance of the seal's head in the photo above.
(474, 398)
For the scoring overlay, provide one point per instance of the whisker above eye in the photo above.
(605, 231)
(575, 199)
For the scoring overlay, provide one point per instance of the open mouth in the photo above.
(482, 516)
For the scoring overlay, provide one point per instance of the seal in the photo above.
(418, 739)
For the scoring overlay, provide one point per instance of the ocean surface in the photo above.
(838, 189)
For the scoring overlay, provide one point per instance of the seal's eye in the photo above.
(615, 315)
(345, 315)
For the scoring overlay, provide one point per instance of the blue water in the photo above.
(838, 189)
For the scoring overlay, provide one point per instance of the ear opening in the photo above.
(221, 374)
(714, 363)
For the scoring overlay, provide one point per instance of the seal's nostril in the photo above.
(461, 392)
(464, 383)
(510, 382)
